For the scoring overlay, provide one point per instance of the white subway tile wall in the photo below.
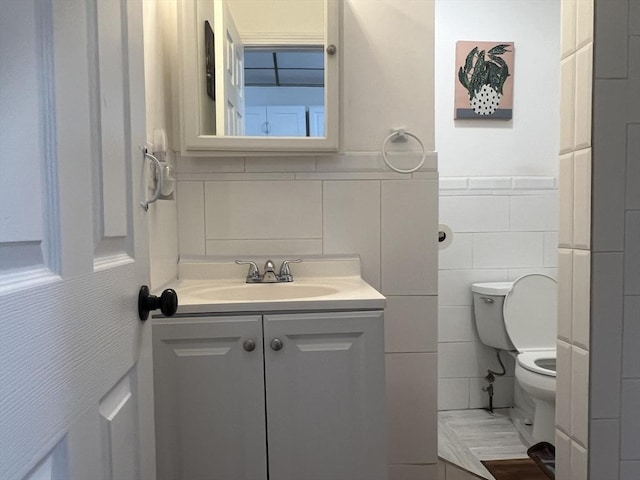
(563, 389)
(580, 395)
(412, 438)
(503, 227)
(605, 235)
(574, 237)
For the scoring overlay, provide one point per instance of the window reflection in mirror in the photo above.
(262, 68)
(284, 91)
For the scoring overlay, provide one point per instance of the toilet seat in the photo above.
(528, 360)
(530, 313)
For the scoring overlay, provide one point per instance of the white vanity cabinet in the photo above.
(209, 398)
(311, 394)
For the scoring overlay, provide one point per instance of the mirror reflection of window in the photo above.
(284, 91)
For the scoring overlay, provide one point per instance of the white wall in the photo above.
(163, 222)
(498, 190)
(528, 144)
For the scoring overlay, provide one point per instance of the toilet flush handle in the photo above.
(488, 300)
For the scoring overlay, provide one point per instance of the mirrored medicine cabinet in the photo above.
(258, 77)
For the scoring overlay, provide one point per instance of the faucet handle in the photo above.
(285, 272)
(254, 272)
(269, 266)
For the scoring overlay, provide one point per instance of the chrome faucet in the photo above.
(269, 276)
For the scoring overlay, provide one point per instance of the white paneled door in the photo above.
(76, 397)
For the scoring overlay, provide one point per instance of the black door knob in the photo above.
(167, 302)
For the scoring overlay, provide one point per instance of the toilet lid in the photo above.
(530, 312)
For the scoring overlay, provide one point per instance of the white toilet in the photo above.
(522, 316)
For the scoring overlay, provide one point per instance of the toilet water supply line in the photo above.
(491, 377)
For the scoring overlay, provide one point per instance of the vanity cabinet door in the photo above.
(325, 396)
(209, 391)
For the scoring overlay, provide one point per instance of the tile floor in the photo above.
(465, 437)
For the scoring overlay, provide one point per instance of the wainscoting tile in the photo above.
(565, 200)
(411, 378)
(280, 164)
(563, 387)
(533, 213)
(515, 273)
(508, 249)
(287, 248)
(630, 470)
(475, 213)
(632, 253)
(459, 254)
(351, 223)
(454, 286)
(563, 453)
(568, 39)
(630, 420)
(410, 324)
(606, 335)
(453, 393)
(263, 210)
(468, 359)
(407, 225)
(534, 183)
(567, 103)
(631, 338)
(584, 63)
(580, 463)
(565, 294)
(580, 395)
(584, 24)
(611, 47)
(633, 165)
(209, 165)
(604, 449)
(582, 199)
(609, 165)
(456, 324)
(490, 183)
(581, 298)
(454, 183)
(502, 392)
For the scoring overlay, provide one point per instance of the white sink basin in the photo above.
(258, 292)
(217, 286)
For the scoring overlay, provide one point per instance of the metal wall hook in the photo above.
(156, 195)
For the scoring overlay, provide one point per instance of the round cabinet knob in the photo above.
(331, 49)
(249, 345)
(276, 344)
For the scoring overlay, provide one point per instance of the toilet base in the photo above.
(544, 422)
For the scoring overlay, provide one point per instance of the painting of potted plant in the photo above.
(484, 86)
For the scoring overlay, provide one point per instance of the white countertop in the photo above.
(218, 286)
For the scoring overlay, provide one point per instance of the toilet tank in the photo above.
(488, 299)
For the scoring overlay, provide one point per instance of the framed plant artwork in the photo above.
(484, 80)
